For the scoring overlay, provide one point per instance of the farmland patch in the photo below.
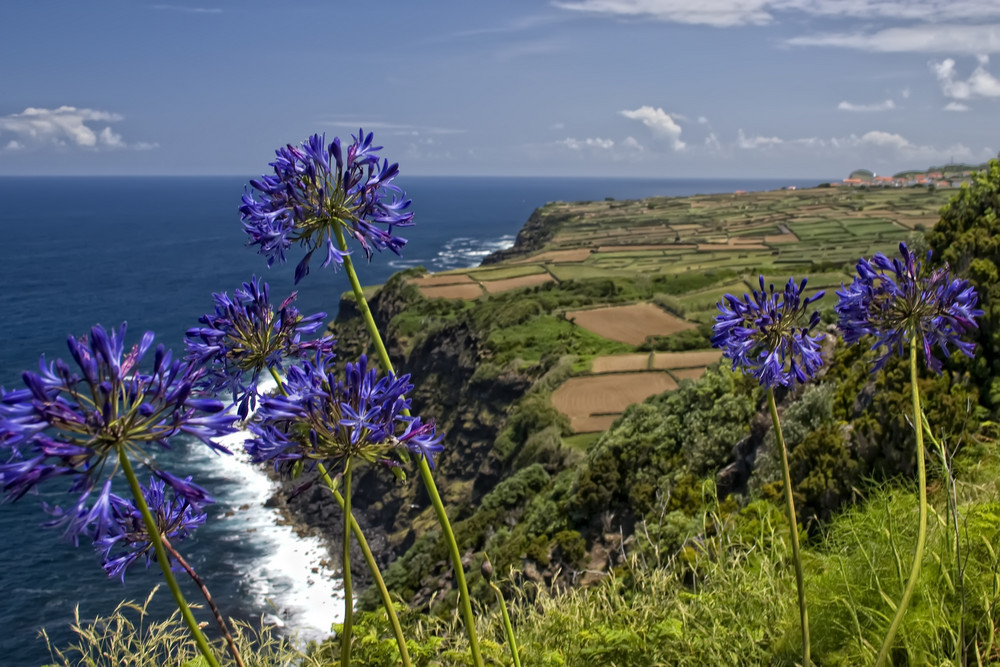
(629, 324)
(495, 286)
(592, 402)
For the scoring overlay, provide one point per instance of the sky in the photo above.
(602, 88)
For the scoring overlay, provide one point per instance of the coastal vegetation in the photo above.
(629, 494)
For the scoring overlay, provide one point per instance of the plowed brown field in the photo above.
(462, 291)
(629, 324)
(437, 279)
(620, 362)
(693, 359)
(583, 399)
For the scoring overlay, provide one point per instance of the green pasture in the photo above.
(563, 272)
(505, 272)
(823, 220)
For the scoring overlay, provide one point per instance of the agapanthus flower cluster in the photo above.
(129, 539)
(324, 419)
(245, 336)
(767, 334)
(69, 423)
(900, 300)
(315, 188)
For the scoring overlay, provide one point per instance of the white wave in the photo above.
(461, 252)
(286, 572)
(290, 573)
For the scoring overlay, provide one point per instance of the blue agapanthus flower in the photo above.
(69, 423)
(323, 419)
(900, 300)
(316, 187)
(245, 336)
(767, 334)
(129, 539)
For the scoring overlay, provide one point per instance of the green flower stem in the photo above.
(163, 560)
(425, 471)
(918, 555)
(345, 644)
(793, 525)
(390, 610)
(507, 627)
(208, 598)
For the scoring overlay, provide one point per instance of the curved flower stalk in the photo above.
(175, 518)
(899, 301)
(303, 203)
(318, 420)
(245, 336)
(86, 425)
(317, 190)
(767, 335)
(423, 464)
(242, 338)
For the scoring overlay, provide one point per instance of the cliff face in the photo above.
(537, 231)
(469, 411)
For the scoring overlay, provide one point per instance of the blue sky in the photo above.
(655, 88)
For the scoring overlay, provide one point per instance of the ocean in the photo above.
(151, 251)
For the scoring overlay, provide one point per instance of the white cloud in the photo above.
(726, 13)
(749, 143)
(905, 93)
(13, 146)
(979, 84)
(557, 126)
(939, 38)
(873, 145)
(720, 13)
(110, 139)
(590, 142)
(633, 143)
(712, 142)
(881, 106)
(66, 126)
(956, 106)
(628, 149)
(885, 140)
(659, 122)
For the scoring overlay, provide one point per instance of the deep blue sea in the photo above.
(150, 251)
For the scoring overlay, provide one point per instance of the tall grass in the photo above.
(129, 637)
(725, 598)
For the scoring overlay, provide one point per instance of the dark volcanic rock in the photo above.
(539, 230)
